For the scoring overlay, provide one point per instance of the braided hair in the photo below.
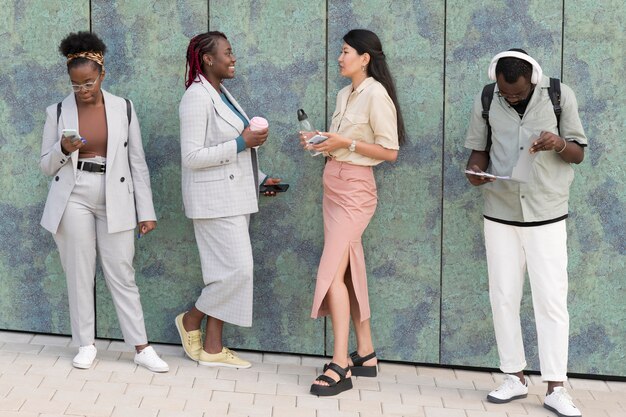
(200, 45)
(367, 41)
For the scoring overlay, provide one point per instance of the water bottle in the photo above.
(307, 128)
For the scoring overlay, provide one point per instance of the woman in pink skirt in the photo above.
(366, 130)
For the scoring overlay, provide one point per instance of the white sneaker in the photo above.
(84, 358)
(511, 389)
(148, 358)
(561, 403)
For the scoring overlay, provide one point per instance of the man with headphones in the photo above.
(524, 220)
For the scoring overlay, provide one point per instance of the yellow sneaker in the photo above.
(226, 358)
(191, 341)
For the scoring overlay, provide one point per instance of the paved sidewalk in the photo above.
(37, 380)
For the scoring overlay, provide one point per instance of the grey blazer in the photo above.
(216, 180)
(128, 192)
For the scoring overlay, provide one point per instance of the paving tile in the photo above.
(169, 350)
(403, 410)
(21, 380)
(15, 337)
(119, 400)
(21, 347)
(291, 389)
(366, 384)
(105, 387)
(6, 357)
(51, 340)
(416, 380)
(473, 375)
(170, 413)
(443, 412)
(194, 370)
(64, 384)
(214, 384)
(397, 369)
(68, 396)
(615, 413)
(147, 390)
(318, 403)
(602, 396)
(19, 414)
(16, 369)
(255, 387)
(315, 361)
(445, 393)
(278, 378)
(232, 397)
(208, 407)
(290, 369)
(11, 404)
(162, 403)
(281, 358)
(113, 365)
(36, 359)
(55, 371)
(91, 410)
(422, 400)
(616, 386)
(254, 357)
(406, 388)
(130, 377)
(125, 411)
(463, 404)
(246, 410)
(89, 375)
(479, 413)
(119, 346)
(360, 405)
(331, 413)
(454, 383)
(35, 405)
(297, 412)
(436, 372)
(172, 380)
(238, 374)
(31, 392)
(284, 401)
(382, 396)
(600, 405)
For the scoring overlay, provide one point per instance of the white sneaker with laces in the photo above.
(148, 358)
(85, 357)
(561, 403)
(511, 389)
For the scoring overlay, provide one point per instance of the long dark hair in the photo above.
(200, 45)
(366, 41)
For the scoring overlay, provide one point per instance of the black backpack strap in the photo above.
(129, 113)
(59, 104)
(486, 98)
(555, 97)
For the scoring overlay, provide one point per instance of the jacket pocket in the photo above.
(209, 174)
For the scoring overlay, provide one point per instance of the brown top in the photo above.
(92, 125)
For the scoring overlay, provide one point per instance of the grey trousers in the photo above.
(82, 233)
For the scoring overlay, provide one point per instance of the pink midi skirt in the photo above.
(349, 202)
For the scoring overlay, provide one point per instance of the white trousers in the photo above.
(83, 232)
(543, 251)
(227, 268)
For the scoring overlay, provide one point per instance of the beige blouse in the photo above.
(368, 115)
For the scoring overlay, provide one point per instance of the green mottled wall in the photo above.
(424, 247)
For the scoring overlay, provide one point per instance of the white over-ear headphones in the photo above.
(537, 71)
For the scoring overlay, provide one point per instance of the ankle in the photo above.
(190, 323)
(552, 385)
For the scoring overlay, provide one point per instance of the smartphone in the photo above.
(277, 188)
(317, 139)
(71, 134)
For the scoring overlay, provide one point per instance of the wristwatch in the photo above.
(352, 146)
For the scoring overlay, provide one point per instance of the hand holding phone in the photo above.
(71, 134)
(316, 140)
(277, 188)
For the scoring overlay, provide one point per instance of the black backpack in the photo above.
(554, 91)
(129, 113)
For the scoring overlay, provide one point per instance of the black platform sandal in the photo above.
(333, 387)
(357, 365)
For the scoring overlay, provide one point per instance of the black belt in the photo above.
(91, 167)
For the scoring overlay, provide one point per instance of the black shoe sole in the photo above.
(367, 371)
(547, 407)
(326, 391)
(508, 400)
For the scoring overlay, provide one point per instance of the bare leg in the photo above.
(553, 384)
(213, 338)
(338, 300)
(193, 319)
(362, 329)
(520, 375)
